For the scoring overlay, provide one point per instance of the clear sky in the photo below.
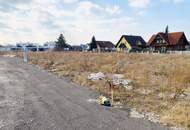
(43, 20)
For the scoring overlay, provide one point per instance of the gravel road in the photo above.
(33, 99)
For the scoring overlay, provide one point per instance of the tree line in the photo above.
(61, 44)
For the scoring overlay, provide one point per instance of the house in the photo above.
(164, 41)
(130, 43)
(49, 45)
(76, 48)
(85, 47)
(81, 47)
(101, 46)
(104, 46)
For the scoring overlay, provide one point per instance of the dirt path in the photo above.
(33, 99)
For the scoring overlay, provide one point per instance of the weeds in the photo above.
(158, 80)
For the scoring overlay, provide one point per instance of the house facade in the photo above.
(104, 46)
(130, 43)
(162, 42)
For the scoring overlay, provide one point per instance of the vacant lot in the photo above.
(161, 83)
(33, 99)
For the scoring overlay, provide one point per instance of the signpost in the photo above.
(25, 54)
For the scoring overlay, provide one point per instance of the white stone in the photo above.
(136, 114)
(96, 76)
(128, 87)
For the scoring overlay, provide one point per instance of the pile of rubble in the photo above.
(96, 76)
(117, 79)
(149, 116)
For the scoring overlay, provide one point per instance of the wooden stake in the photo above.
(112, 100)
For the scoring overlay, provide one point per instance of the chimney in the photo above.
(167, 31)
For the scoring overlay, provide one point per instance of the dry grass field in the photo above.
(161, 83)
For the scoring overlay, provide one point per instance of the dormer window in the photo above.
(139, 43)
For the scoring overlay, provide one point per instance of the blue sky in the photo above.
(43, 20)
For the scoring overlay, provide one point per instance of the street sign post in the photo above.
(25, 54)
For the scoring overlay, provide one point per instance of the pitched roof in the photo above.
(105, 44)
(170, 38)
(175, 37)
(134, 40)
(151, 39)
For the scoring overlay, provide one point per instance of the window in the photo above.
(139, 43)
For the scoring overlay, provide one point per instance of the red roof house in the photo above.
(169, 41)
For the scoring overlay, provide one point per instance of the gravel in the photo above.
(34, 99)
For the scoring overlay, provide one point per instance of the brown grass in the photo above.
(165, 77)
